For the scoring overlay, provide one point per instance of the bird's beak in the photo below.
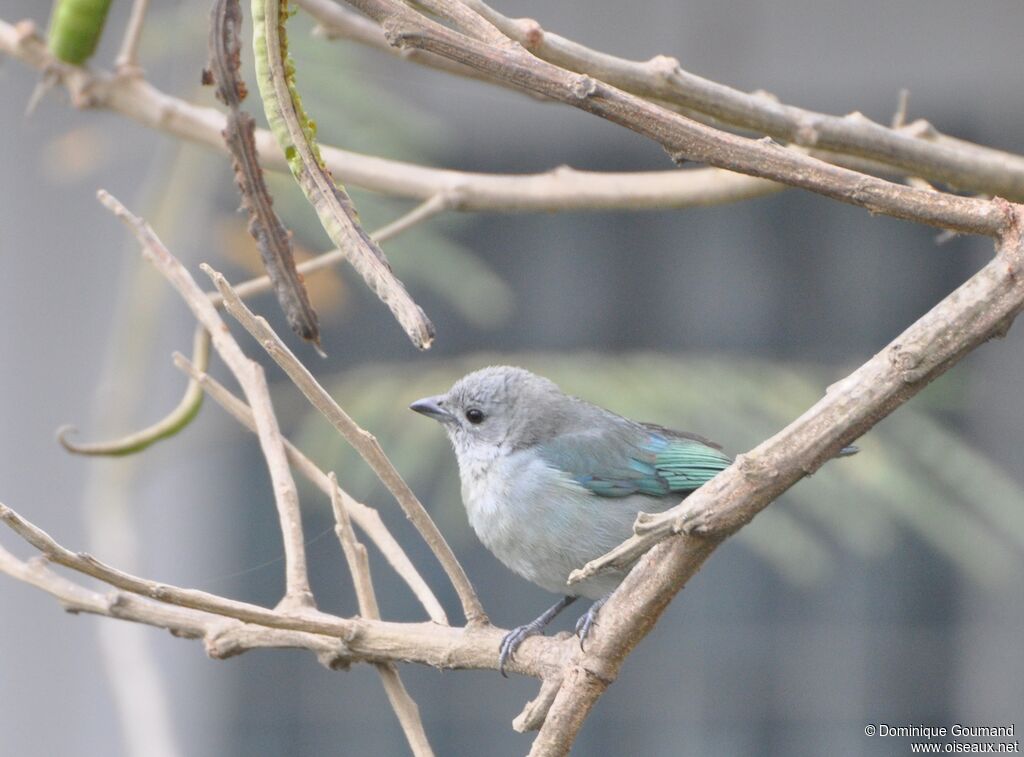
(431, 407)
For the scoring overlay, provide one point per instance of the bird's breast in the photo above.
(539, 522)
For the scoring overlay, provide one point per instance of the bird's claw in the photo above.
(517, 636)
(511, 643)
(588, 620)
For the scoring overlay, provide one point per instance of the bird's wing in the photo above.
(635, 459)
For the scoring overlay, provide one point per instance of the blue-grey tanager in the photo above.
(551, 482)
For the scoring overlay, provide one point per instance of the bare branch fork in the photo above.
(915, 149)
(364, 443)
(250, 376)
(294, 622)
(295, 619)
(682, 138)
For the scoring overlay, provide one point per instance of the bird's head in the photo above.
(497, 410)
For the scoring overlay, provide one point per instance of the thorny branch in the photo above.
(273, 240)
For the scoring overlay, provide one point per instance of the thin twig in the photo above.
(426, 209)
(183, 414)
(560, 189)
(355, 553)
(365, 517)
(363, 442)
(536, 710)
(359, 566)
(319, 623)
(183, 622)
(127, 61)
(899, 118)
(76, 598)
(250, 376)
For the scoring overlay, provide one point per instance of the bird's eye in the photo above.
(475, 415)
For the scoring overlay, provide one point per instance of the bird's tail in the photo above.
(847, 451)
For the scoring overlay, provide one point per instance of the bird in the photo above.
(551, 482)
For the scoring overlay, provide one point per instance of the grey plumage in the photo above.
(551, 481)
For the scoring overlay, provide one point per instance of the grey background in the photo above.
(742, 663)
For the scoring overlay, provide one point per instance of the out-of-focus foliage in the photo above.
(912, 472)
(338, 87)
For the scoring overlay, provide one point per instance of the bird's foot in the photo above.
(517, 636)
(513, 639)
(511, 643)
(589, 619)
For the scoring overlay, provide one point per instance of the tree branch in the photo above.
(250, 376)
(273, 239)
(127, 61)
(561, 189)
(935, 157)
(359, 566)
(363, 442)
(425, 210)
(295, 133)
(684, 138)
(365, 517)
(853, 140)
(361, 639)
(337, 22)
(980, 309)
(461, 17)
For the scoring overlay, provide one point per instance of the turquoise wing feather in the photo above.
(638, 459)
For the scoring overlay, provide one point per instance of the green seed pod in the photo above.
(75, 29)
